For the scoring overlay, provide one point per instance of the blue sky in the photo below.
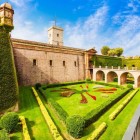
(86, 23)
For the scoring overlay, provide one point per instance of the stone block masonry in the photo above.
(36, 63)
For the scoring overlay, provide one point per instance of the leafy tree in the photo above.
(112, 52)
(104, 50)
(118, 51)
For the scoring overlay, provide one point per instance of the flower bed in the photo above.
(92, 96)
(84, 99)
(105, 90)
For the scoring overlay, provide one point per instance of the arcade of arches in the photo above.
(122, 76)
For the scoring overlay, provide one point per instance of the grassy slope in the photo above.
(116, 128)
(29, 108)
(72, 104)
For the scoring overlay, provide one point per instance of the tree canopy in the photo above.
(105, 50)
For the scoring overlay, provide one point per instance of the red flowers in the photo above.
(84, 99)
(108, 91)
(93, 97)
(87, 86)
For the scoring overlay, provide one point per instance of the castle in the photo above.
(50, 62)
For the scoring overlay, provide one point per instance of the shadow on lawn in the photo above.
(27, 100)
(89, 130)
(30, 124)
(15, 138)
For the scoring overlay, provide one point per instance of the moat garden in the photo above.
(81, 110)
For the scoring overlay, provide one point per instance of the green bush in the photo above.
(93, 115)
(9, 121)
(130, 86)
(4, 135)
(8, 79)
(75, 126)
(37, 86)
(61, 112)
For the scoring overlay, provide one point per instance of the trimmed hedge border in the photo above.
(93, 115)
(115, 113)
(63, 84)
(24, 128)
(60, 111)
(52, 127)
(98, 132)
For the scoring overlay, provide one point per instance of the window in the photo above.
(64, 64)
(49, 35)
(50, 62)
(57, 35)
(75, 63)
(34, 62)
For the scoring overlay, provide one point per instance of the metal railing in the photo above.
(133, 130)
(117, 68)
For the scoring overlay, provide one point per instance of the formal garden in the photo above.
(83, 110)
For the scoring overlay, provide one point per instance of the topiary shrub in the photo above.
(75, 126)
(37, 86)
(4, 135)
(9, 121)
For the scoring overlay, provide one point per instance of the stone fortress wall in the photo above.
(40, 62)
(45, 63)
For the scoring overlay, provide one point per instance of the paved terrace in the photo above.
(109, 73)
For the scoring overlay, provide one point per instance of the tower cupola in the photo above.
(6, 14)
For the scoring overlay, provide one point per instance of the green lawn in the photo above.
(72, 104)
(29, 108)
(116, 128)
(38, 128)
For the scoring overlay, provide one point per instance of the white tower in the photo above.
(55, 36)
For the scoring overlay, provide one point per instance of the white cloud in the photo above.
(26, 29)
(134, 5)
(85, 33)
(20, 3)
(92, 31)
